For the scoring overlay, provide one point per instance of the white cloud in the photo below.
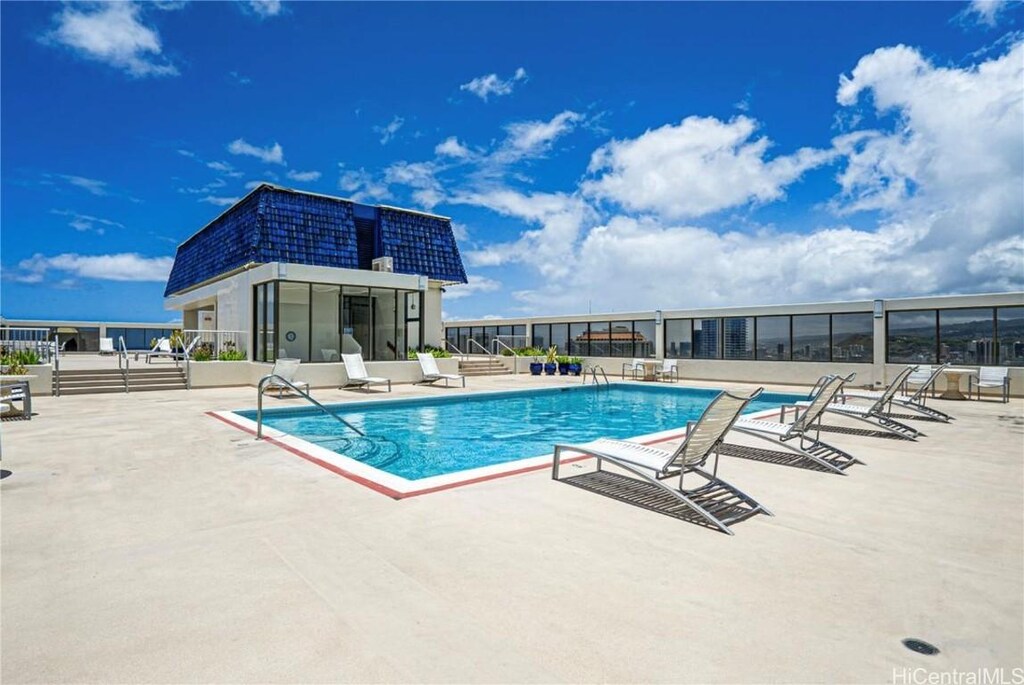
(700, 166)
(460, 231)
(387, 132)
(112, 267)
(186, 153)
(360, 185)
(420, 176)
(490, 84)
(112, 33)
(89, 184)
(451, 147)
(220, 201)
(85, 222)
(986, 11)
(239, 79)
(303, 176)
(476, 284)
(250, 185)
(264, 8)
(270, 155)
(535, 138)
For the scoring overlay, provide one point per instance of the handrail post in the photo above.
(515, 356)
(56, 362)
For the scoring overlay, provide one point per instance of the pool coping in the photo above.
(397, 487)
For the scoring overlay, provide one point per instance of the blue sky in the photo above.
(612, 156)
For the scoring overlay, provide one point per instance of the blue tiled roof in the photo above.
(278, 225)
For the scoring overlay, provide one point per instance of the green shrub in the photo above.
(435, 352)
(231, 355)
(202, 353)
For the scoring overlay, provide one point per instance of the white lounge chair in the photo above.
(106, 346)
(915, 401)
(16, 391)
(991, 377)
(669, 371)
(875, 413)
(329, 355)
(162, 348)
(286, 368)
(357, 376)
(432, 374)
(632, 367)
(827, 456)
(717, 502)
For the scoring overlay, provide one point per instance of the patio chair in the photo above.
(991, 377)
(189, 349)
(632, 367)
(669, 371)
(716, 502)
(286, 368)
(106, 346)
(16, 391)
(162, 348)
(814, 449)
(329, 355)
(915, 401)
(432, 374)
(875, 414)
(357, 376)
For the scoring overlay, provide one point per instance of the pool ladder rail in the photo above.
(274, 377)
(592, 371)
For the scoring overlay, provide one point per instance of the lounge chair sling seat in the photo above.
(915, 401)
(432, 374)
(874, 414)
(286, 368)
(644, 456)
(356, 372)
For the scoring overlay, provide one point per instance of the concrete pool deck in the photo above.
(144, 541)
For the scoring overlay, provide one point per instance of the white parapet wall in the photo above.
(215, 374)
(41, 382)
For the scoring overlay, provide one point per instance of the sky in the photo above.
(599, 157)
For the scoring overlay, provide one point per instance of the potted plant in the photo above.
(551, 362)
(576, 365)
(536, 366)
(563, 365)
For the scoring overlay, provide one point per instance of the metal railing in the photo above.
(515, 355)
(123, 362)
(454, 347)
(216, 343)
(274, 377)
(592, 372)
(18, 339)
(482, 348)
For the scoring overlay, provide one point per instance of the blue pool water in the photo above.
(424, 437)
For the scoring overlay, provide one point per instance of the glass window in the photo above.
(706, 339)
(811, 341)
(643, 338)
(911, 337)
(853, 338)
(1011, 336)
(599, 339)
(326, 323)
(560, 338)
(541, 335)
(579, 340)
(356, 321)
(135, 339)
(678, 338)
(260, 302)
(271, 321)
(620, 339)
(293, 309)
(519, 336)
(463, 342)
(773, 338)
(115, 333)
(452, 335)
(738, 337)
(412, 320)
(966, 336)
(385, 333)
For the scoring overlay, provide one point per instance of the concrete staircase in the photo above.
(482, 366)
(94, 381)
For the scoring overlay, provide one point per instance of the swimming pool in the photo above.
(419, 440)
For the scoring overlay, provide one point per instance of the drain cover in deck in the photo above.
(920, 646)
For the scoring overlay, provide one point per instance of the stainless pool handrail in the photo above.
(259, 404)
(122, 355)
(592, 371)
(490, 355)
(515, 355)
(455, 347)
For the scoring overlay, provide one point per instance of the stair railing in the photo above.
(56, 364)
(483, 349)
(515, 356)
(452, 345)
(274, 377)
(123, 363)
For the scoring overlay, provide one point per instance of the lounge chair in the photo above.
(432, 374)
(717, 502)
(286, 368)
(16, 391)
(827, 456)
(106, 346)
(189, 349)
(669, 371)
(330, 355)
(357, 376)
(162, 348)
(991, 377)
(875, 414)
(632, 368)
(915, 401)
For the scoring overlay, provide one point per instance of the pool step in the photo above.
(483, 366)
(97, 381)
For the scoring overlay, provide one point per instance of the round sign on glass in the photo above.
(290, 336)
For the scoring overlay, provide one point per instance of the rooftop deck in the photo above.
(146, 541)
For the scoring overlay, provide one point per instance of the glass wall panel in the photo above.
(463, 343)
(738, 337)
(412, 320)
(773, 338)
(599, 339)
(326, 323)
(678, 338)
(519, 336)
(643, 338)
(706, 339)
(1011, 336)
(811, 341)
(385, 333)
(621, 339)
(911, 337)
(293, 309)
(271, 321)
(579, 340)
(356, 321)
(541, 335)
(260, 302)
(560, 338)
(853, 338)
(452, 335)
(135, 339)
(967, 336)
(114, 333)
